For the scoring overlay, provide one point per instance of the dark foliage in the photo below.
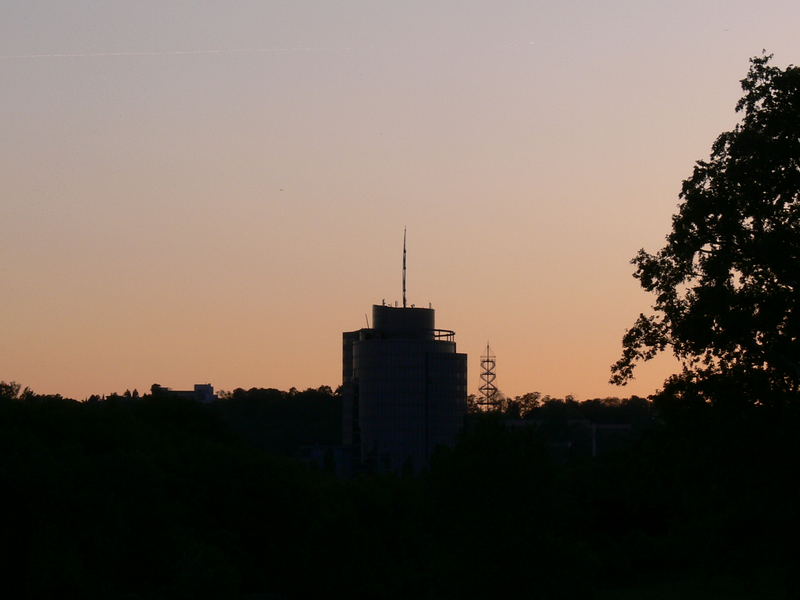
(284, 422)
(726, 282)
(161, 498)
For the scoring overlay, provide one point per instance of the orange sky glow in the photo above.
(203, 192)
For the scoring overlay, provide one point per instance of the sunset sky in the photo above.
(198, 191)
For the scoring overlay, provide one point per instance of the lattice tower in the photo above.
(489, 398)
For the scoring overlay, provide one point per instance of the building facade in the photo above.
(202, 392)
(404, 388)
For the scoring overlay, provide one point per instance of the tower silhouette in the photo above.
(404, 386)
(489, 398)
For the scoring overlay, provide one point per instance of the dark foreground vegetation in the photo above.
(166, 498)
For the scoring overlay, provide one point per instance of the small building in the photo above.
(202, 392)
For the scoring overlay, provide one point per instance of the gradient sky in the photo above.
(197, 191)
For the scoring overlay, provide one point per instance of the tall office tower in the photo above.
(404, 388)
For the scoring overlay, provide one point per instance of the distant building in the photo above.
(202, 392)
(404, 388)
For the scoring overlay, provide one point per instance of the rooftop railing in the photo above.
(444, 335)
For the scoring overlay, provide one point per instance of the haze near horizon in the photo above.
(204, 193)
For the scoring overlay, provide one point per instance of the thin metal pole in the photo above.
(404, 267)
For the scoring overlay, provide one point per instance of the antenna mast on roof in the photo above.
(404, 267)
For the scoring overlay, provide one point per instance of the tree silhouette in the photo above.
(726, 282)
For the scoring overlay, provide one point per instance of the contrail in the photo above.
(173, 52)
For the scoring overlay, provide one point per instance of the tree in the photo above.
(726, 282)
(11, 390)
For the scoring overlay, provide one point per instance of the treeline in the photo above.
(534, 405)
(154, 497)
(284, 421)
